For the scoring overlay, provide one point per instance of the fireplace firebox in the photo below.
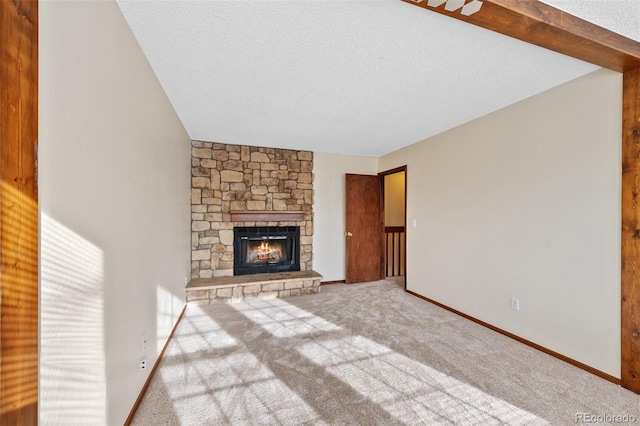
(265, 249)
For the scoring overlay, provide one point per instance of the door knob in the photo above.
(348, 234)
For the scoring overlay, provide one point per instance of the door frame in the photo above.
(381, 176)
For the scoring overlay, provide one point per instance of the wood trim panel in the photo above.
(152, 373)
(266, 216)
(554, 354)
(333, 282)
(393, 171)
(392, 229)
(538, 23)
(18, 212)
(630, 290)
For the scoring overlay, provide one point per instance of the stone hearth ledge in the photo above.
(204, 291)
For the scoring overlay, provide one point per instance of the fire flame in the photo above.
(265, 252)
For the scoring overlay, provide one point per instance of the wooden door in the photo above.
(364, 233)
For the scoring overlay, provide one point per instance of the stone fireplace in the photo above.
(238, 186)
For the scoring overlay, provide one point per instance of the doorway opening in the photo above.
(394, 190)
(375, 226)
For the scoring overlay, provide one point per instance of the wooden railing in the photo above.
(394, 251)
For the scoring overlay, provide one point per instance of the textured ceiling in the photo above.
(350, 77)
(620, 16)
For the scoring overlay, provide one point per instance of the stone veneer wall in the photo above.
(238, 177)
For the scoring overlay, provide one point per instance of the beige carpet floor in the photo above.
(364, 354)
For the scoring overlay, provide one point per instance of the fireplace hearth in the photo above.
(265, 249)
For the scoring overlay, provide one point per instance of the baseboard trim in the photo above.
(333, 282)
(554, 354)
(153, 371)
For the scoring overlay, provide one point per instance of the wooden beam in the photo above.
(630, 290)
(538, 23)
(18, 212)
(266, 215)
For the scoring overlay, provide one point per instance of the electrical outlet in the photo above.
(515, 304)
(143, 364)
(143, 347)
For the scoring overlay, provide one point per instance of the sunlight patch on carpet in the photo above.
(282, 319)
(235, 387)
(199, 332)
(408, 390)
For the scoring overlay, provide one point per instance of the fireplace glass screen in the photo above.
(266, 249)
(271, 250)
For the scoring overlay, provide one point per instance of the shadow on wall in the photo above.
(169, 307)
(72, 357)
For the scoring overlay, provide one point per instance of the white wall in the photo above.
(329, 209)
(525, 203)
(114, 177)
